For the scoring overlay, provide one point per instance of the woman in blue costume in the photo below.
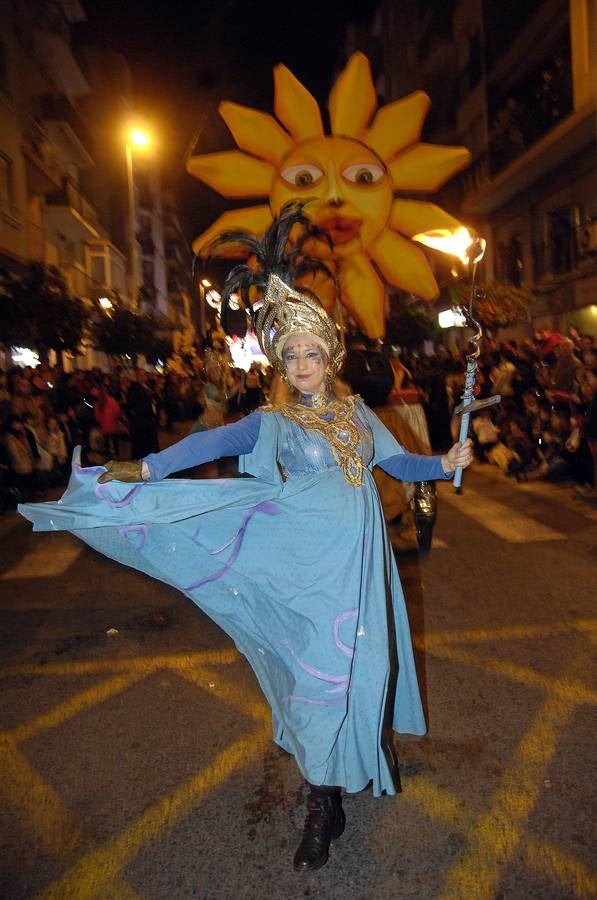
(295, 563)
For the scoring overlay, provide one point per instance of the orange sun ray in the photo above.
(233, 174)
(256, 132)
(254, 219)
(404, 265)
(295, 107)
(352, 99)
(363, 294)
(425, 167)
(398, 125)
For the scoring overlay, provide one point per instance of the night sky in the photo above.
(186, 57)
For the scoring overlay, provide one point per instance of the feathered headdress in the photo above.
(278, 309)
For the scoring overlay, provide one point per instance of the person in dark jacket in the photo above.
(141, 411)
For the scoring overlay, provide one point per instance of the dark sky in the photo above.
(186, 57)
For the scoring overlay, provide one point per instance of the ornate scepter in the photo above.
(470, 249)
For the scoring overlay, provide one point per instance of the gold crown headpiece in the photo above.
(286, 311)
(280, 259)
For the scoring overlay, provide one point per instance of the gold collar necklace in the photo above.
(335, 422)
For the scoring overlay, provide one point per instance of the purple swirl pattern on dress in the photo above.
(236, 541)
(140, 530)
(89, 470)
(102, 492)
(341, 681)
(342, 617)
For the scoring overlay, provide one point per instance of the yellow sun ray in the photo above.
(404, 265)
(353, 100)
(256, 132)
(233, 174)
(363, 294)
(425, 167)
(411, 217)
(254, 219)
(398, 125)
(295, 107)
(323, 287)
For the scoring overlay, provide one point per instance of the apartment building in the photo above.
(527, 86)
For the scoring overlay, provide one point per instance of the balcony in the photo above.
(71, 213)
(567, 253)
(41, 163)
(567, 138)
(64, 124)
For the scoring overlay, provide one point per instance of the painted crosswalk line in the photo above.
(46, 559)
(502, 520)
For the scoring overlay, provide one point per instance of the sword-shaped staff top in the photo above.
(470, 249)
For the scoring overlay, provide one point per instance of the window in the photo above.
(6, 183)
(4, 84)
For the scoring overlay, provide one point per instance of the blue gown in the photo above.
(294, 564)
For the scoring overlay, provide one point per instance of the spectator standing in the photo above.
(141, 410)
(108, 416)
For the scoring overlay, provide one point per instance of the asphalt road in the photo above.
(136, 759)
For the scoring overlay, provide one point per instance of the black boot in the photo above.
(324, 823)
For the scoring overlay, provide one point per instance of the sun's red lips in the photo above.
(341, 228)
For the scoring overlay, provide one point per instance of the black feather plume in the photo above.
(276, 254)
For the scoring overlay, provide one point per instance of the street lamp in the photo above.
(105, 303)
(138, 139)
(470, 249)
(204, 284)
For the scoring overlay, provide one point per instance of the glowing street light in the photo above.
(138, 139)
(105, 303)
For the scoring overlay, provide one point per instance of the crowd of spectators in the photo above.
(46, 412)
(545, 426)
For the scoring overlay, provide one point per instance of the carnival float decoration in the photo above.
(360, 184)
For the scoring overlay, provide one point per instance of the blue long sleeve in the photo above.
(204, 446)
(414, 467)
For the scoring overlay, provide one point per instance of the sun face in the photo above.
(351, 180)
(346, 186)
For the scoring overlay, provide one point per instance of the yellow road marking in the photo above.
(251, 703)
(473, 635)
(46, 560)
(41, 811)
(74, 705)
(36, 804)
(494, 836)
(541, 857)
(502, 520)
(147, 664)
(570, 689)
(92, 877)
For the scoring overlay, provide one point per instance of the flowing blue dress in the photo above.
(294, 564)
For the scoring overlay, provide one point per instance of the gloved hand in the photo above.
(119, 470)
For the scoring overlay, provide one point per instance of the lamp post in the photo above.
(204, 284)
(470, 249)
(140, 139)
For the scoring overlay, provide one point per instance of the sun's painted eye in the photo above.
(304, 175)
(363, 174)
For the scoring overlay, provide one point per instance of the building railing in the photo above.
(71, 195)
(58, 108)
(567, 252)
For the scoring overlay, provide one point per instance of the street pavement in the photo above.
(136, 754)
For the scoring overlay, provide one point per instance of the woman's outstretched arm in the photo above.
(204, 446)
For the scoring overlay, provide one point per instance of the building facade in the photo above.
(66, 197)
